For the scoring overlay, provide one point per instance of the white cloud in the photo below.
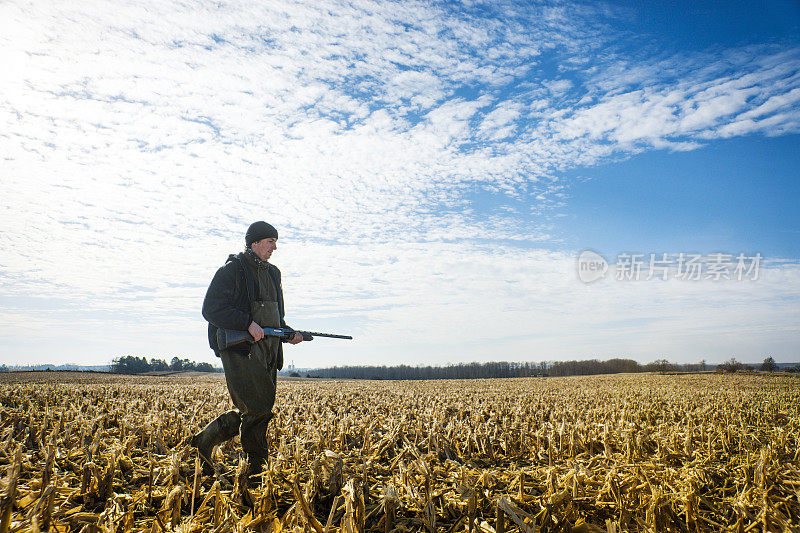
(558, 87)
(773, 103)
(500, 123)
(672, 103)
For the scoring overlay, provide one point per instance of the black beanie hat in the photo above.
(259, 230)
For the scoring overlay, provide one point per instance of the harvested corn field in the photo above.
(612, 453)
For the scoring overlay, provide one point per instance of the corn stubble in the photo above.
(683, 453)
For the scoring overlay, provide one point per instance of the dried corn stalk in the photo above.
(681, 453)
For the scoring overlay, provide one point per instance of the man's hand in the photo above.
(256, 331)
(296, 339)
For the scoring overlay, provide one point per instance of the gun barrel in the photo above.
(331, 335)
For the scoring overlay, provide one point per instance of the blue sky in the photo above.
(434, 170)
(737, 194)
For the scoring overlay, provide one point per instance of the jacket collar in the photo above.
(254, 260)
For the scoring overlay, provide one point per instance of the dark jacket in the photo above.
(227, 302)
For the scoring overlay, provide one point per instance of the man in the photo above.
(246, 294)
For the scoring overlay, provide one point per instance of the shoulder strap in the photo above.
(248, 277)
(273, 276)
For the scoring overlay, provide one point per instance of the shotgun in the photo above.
(229, 337)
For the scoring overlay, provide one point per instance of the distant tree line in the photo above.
(503, 369)
(460, 371)
(513, 369)
(138, 365)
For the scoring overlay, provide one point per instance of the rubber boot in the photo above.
(254, 444)
(219, 430)
(255, 467)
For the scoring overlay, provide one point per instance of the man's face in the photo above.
(264, 248)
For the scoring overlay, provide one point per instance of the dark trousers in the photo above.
(251, 384)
